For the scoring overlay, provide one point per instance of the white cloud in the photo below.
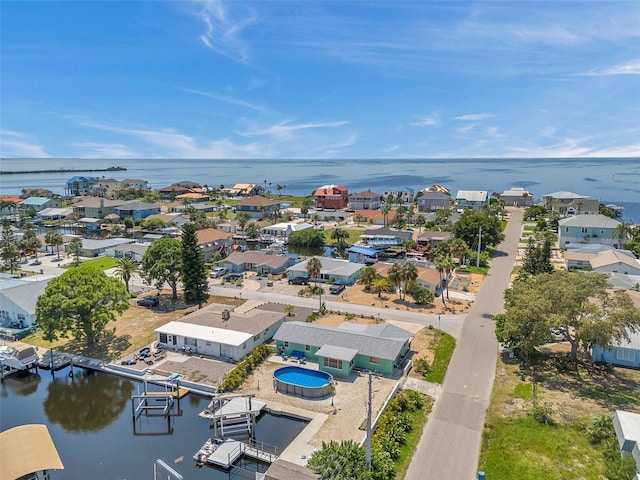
(630, 68)
(103, 150)
(227, 99)
(473, 117)
(286, 129)
(223, 33)
(432, 120)
(17, 144)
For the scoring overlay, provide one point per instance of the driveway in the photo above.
(450, 444)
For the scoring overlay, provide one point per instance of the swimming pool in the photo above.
(302, 381)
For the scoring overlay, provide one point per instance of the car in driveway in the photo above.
(218, 272)
(337, 288)
(299, 281)
(149, 302)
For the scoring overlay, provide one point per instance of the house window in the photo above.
(625, 354)
(566, 229)
(208, 344)
(21, 317)
(307, 348)
(163, 338)
(256, 338)
(244, 345)
(286, 344)
(333, 363)
(375, 360)
(583, 230)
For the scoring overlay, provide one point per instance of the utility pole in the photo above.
(368, 443)
(479, 243)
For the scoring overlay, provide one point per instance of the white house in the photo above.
(18, 301)
(627, 427)
(569, 203)
(218, 332)
(516, 197)
(614, 261)
(405, 194)
(471, 199)
(284, 229)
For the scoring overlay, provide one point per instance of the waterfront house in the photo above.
(331, 197)
(79, 185)
(18, 301)
(366, 200)
(134, 183)
(623, 352)
(399, 195)
(359, 254)
(38, 204)
(374, 217)
(569, 203)
(212, 240)
(37, 192)
(97, 208)
(243, 190)
(433, 238)
(136, 210)
(339, 350)
(430, 201)
(192, 198)
(170, 192)
(258, 206)
(471, 199)
(281, 231)
(627, 428)
(516, 197)
(594, 228)
(255, 261)
(333, 270)
(105, 187)
(218, 332)
(54, 213)
(382, 238)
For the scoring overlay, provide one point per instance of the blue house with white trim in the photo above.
(622, 353)
(366, 255)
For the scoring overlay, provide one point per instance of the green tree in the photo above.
(81, 301)
(423, 296)
(420, 222)
(9, 247)
(314, 266)
(409, 274)
(194, 270)
(440, 264)
(340, 236)
(48, 240)
(622, 232)
(396, 278)
(577, 303)
(56, 241)
(309, 237)
(457, 248)
(30, 240)
(128, 224)
(380, 285)
(468, 226)
(125, 269)
(367, 276)
(161, 264)
(307, 203)
(251, 230)
(242, 219)
(73, 249)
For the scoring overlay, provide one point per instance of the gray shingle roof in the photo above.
(381, 340)
(597, 220)
(25, 296)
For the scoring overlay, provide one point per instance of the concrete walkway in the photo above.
(450, 444)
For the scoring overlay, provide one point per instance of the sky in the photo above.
(319, 79)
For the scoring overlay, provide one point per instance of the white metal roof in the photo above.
(201, 332)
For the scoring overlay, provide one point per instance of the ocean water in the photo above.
(611, 180)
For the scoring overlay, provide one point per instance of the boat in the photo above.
(17, 356)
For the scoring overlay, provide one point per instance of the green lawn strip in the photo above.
(103, 263)
(522, 449)
(444, 346)
(480, 270)
(419, 419)
(354, 236)
(523, 390)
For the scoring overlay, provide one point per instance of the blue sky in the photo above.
(319, 79)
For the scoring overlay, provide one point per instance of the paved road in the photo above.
(450, 444)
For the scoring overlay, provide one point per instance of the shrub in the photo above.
(600, 429)
(422, 366)
(542, 412)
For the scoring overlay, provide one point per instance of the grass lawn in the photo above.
(103, 263)
(443, 345)
(354, 236)
(479, 270)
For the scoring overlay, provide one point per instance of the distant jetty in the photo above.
(64, 170)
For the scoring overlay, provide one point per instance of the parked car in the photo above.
(218, 272)
(557, 334)
(299, 281)
(233, 276)
(336, 288)
(149, 302)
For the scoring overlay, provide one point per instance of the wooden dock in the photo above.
(225, 453)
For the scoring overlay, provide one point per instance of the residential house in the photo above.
(106, 187)
(569, 203)
(359, 254)
(399, 195)
(281, 231)
(170, 192)
(255, 261)
(193, 198)
(201, 207)
(627, 427)
(258, 206)
(212, 240)
(516, 197)
(594, 228)
(37, 192)
(436, 188)
(135, 183)
(333, 270)
(623, 352)
(366, 200)
(173, 219)
(331, 197)
(615, 261)
(374, 217)
(243, 190)
(471, 199)
(134, 251)
(54, 213)
(137, 210)
(18, 299)
(38, 204)
(79, 185)
(95, 248)
(382, 238)
(9, 204)
(430, 201)
(433, 238)
(428, 277)
(96, 208)
(215, 331)
(339, 350)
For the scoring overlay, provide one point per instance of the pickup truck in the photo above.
(336, 288)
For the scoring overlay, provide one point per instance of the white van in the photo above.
(218, 272)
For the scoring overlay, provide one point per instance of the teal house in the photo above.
(339, 350)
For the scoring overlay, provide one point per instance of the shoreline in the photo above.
(63, 170)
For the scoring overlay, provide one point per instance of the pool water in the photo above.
(302, 382)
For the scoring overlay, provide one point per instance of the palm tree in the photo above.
(622, 232)
(457, 248)
(380, 285)
(440, 263)
(48, 237)
(73, 249)
(367, 276)
(396, 278)
(385, 212)
(420, 222)
(314, 266)
(449, 267)
(56, 241)
(339, 235)
(279, 188)
(409, 274)
(125, 270)
(242, 219)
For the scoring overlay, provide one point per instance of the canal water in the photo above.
(90, 420)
